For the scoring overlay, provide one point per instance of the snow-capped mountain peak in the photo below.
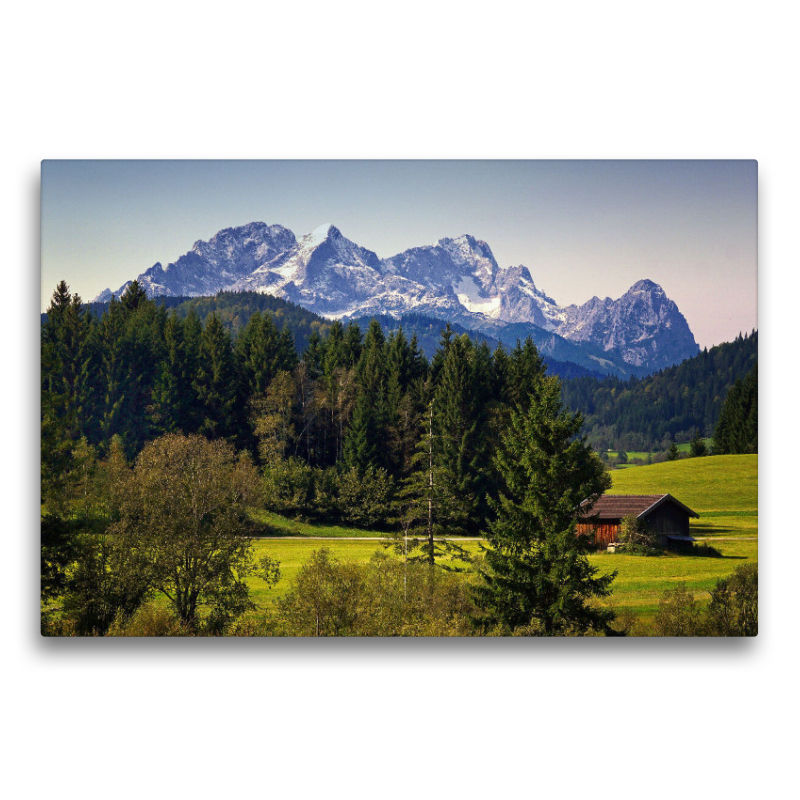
(456, 279)
(319, 235)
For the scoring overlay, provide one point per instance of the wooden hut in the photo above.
(667, 517)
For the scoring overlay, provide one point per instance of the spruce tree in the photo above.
(110, 377)
(537, 578)
(192, 410)
(66, 338)
(365, 443)
(361, 445)
(168, 411)
(697, 446)
(216, 382)
(673, 454)
(428, 512)
(133, 296)
(458, 432)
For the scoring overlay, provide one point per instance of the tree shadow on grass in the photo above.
(263, 530)
(710, 530)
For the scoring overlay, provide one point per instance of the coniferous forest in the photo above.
(331, 424)
(354, 402)
(669, 406)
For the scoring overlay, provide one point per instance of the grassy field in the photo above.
(642, 454)
(293, 553)
(276, 525)
(641, 579)
(638, 587)
(722, 489)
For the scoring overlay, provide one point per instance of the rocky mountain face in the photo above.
(644, 327)
(456, 280)
(212, 266)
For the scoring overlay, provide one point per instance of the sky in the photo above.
(583, 228)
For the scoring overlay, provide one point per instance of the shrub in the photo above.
(679, 614)
(639, 550)
(109, 581)
(386, 597)
(324, 599)
(364, 498)
(637, 536)
(288, 487)
(326, 493)
(733, 610)
(149, 620)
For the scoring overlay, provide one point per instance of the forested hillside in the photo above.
(338, 428)
(234, 310)
(649, 413)
(428, 331)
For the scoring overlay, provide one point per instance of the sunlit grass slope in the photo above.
(722, 489)
(641, 580)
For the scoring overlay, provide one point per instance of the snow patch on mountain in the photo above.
(469, 295)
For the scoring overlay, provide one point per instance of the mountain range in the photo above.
(455, 280)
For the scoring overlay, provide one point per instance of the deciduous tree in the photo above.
(184, 511)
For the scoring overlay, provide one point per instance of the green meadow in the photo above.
(642, 455)
(722, 489)
(641, 580)
(274, 525)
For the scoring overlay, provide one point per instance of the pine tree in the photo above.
(697, 446)
(428, 512)
(66, 361)
(215, 383)
(537, 578)
(361, 445)
(365, 443)
(458, 434)
(673, 454)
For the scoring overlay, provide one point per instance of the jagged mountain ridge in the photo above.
(458, 280)
(214, 266)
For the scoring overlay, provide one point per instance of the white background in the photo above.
(198, 719)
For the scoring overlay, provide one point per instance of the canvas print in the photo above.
(399, 398)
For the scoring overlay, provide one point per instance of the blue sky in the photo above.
(583, 228)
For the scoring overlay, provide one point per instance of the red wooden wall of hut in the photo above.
(603, 532)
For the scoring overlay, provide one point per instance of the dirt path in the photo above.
(360, 538)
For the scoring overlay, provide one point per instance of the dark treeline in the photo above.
(234, 310)
(139, 371)
(737, 428)
(672, 405)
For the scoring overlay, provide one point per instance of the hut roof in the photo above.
(617, 506)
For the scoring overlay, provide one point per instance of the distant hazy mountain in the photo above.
(457, 280)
